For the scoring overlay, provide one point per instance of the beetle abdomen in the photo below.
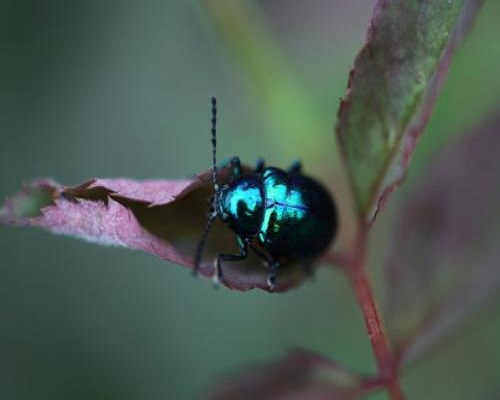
(299, 218)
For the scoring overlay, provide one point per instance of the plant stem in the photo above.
(386, 362)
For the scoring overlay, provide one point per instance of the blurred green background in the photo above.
(121, 88)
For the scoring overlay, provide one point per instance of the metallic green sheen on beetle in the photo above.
(283, 216)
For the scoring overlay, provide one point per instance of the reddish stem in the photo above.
(386, 362)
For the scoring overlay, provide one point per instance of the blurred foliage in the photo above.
(122, 88)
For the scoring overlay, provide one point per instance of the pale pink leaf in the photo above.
(162, 217)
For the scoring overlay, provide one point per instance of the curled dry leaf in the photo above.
(300, 375)
(392, 88)
(445, 256)
(162, 217)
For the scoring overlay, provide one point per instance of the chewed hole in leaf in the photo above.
(29, 202)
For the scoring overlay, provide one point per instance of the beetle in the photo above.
(283, 216)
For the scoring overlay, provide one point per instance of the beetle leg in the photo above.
(295, 168)
(218, 276)
(271, 264)
(263, 256)
(235, 165)
(259, 166)
(271, 276)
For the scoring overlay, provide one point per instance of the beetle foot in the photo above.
(271, 282)
(271, 277)
(217, 277)
(215, 281)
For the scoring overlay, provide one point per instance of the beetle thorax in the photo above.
(241, 205)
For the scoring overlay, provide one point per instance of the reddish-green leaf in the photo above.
(444, 263)
(392, 88)
(162, 217)
(300, 375)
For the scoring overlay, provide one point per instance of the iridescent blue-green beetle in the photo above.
(283, 216)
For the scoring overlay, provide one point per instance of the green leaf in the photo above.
(392, 88)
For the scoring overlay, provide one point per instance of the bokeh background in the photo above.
(121, 88)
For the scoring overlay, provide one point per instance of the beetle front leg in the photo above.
(259, 166)
(218, 276)
(235, 165)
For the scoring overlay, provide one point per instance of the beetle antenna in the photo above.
(213, 213)
(214, 144)
(201, 243)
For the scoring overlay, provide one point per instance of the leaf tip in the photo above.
(29, 202)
